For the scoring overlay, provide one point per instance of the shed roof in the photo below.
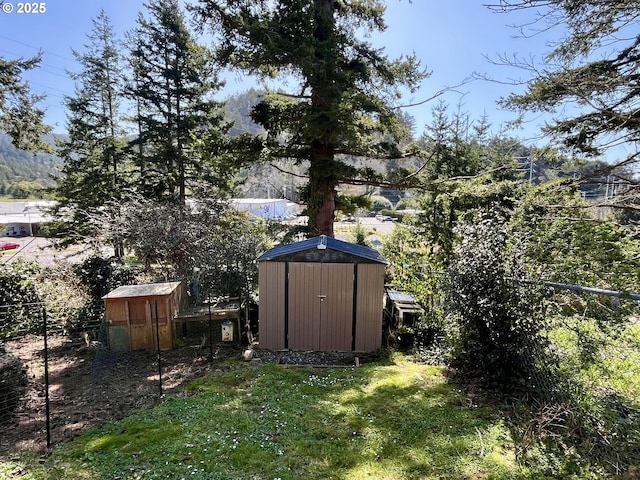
(323, 243)
(143, 290)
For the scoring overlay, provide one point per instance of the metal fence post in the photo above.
(210, 359)
(46, 378)
(159, 355)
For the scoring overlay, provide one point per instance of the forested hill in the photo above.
(22, 172)
(238, 110)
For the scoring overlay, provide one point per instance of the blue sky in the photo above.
(451, 37)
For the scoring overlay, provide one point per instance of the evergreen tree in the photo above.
(173, 82)
(345, 85)
(20, 116)
(467, 171)
(590, 78)
(95, 166)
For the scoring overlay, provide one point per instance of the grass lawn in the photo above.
(389, 420)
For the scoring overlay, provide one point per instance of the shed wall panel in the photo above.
(336, 318)
(178, 300)
(165, 327)
(312, 308)
(132, 319)
(116, 312)
(144, 336)
(369, 300)
(304, 306)
(271, 309)
(137, 311)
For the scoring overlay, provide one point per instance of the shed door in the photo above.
(320, 306)
(140, 331)
(142, 321)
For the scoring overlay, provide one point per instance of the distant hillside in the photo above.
(237, 109)
(22, 172)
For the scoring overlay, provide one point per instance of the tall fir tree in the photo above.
(174, 80)
(20, 116)
(95, 162)
(346, 87)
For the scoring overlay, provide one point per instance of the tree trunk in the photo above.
(321, 204)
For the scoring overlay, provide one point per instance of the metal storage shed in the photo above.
(138, 315)
(321, 294)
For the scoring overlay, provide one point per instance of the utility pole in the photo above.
(530, 170)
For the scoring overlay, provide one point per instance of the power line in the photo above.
(38, 49)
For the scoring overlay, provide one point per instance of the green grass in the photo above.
(392, 420)
(600, 360)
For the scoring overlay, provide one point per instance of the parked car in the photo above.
(9, 245)
(15, 232)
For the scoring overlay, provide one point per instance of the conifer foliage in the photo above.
(95, 160)
(20, 115)
(343, 105)
(173, 82)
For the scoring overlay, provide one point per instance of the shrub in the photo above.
(501, 339)
(13, 379)
(378, 203)
(17, 297)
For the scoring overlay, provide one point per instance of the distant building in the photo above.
(267, 208)
(23, 219)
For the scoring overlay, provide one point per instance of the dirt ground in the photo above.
(90, 386)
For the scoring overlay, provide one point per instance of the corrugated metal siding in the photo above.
(369, 300)
(336, 319)
(271, 309)
(304, 306)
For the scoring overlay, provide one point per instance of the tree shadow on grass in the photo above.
(265, 422)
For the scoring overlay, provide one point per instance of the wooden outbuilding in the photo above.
(321, 294)
(138, 315)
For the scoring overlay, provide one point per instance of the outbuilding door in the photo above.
(142, 324)
(320, 306)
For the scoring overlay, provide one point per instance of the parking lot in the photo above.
(38, 249)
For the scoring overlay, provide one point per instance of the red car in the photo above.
(9, 245)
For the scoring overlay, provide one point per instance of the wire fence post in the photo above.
(210, 359)
(159, 354)
(47, 405)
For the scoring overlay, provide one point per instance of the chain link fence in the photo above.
(56, 382)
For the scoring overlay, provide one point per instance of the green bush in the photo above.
(379, 203)
(19, 313)
(13, 380)
(501, 339)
